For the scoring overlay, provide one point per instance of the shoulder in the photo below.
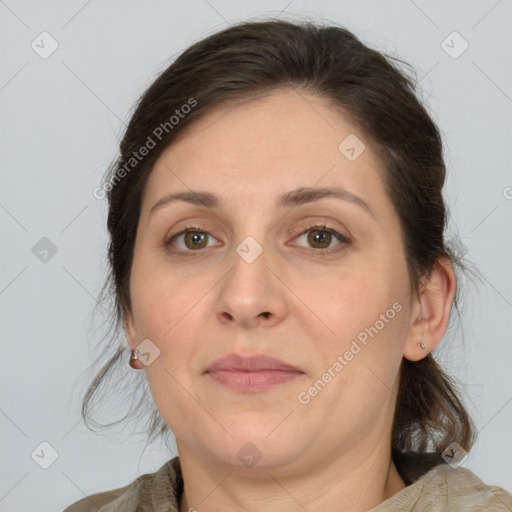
(470, 493)
(447, 488)
(151, 490)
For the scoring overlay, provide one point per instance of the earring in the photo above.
(135, 362)
(421, 345)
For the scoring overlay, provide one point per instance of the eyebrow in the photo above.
(296, 197)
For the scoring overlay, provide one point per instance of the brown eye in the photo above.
(319, 239)
(195, 239)
(322, 238)
(191, 239)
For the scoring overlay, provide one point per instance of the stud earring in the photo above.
(421, 345)
(135, 362)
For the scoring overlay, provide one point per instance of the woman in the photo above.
(281, 275)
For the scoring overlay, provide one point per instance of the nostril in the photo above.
(266, 314)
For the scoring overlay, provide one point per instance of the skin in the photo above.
(292, 303)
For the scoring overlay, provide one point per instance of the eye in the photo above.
(190, 239)
(319, 237)
(322, 238)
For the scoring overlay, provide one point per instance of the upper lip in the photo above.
(253, 363)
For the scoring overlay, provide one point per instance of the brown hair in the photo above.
(255, 58)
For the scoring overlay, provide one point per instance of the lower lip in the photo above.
(244, 381)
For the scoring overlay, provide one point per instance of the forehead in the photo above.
(268, 145)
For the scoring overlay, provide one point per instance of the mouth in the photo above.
(251, 374)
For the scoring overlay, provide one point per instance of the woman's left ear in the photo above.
(129, 330)
(431, 311)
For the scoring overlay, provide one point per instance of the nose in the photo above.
(251, 295)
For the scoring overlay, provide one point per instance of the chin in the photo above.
(256, 445)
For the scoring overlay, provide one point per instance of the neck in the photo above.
(338, 484)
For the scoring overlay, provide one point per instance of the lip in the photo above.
(255, 363)
(251, 374)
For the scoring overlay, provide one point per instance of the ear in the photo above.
(129, 329)
(431, 311)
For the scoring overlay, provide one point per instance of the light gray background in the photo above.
(61, 118)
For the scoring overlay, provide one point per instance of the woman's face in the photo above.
(269, 267)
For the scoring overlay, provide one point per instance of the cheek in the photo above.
(360, 315)
(169, 309)
(165, 308)
(160, 297)
(345, 303)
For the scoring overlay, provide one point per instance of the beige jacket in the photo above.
(442, 489)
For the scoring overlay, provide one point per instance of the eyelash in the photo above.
(344, 240)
